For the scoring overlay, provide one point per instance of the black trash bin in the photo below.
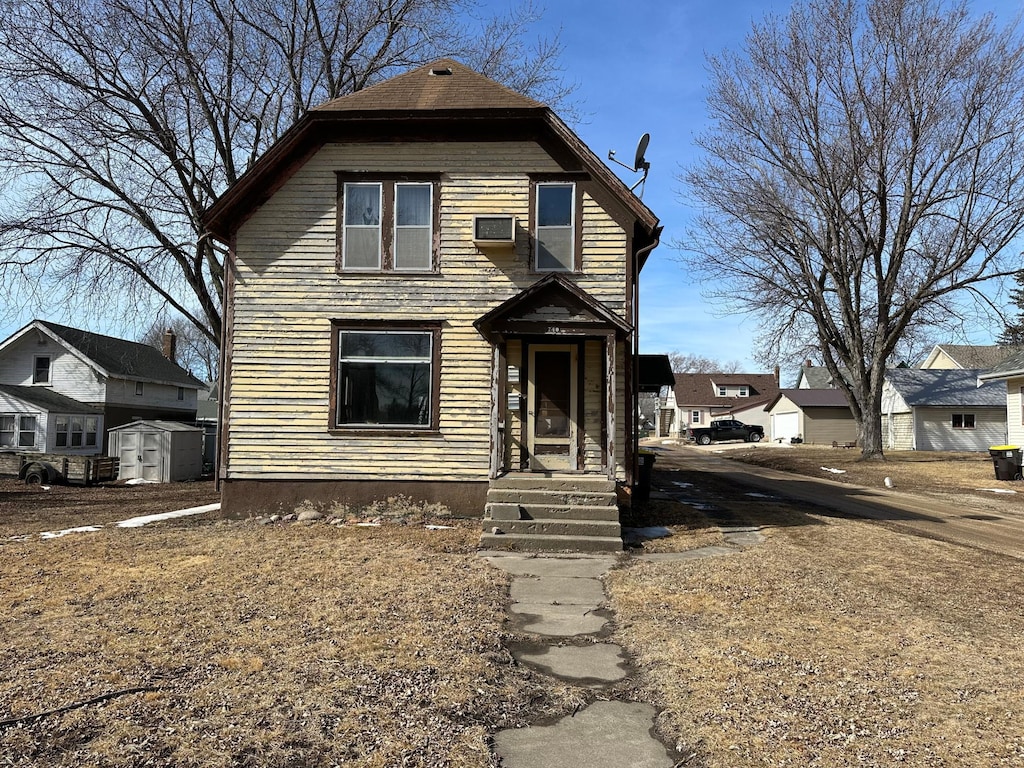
(642, 491)
(1006, 460)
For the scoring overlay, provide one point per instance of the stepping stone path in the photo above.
(560, 600)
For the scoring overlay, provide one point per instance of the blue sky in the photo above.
(641, 68)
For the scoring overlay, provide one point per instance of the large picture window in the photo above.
(387, 225)
(386, 378)
(556, 227)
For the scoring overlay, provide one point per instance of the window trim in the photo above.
(695, 417)
(963, 417)
(723, 391)
(388, 183)
(18, 429)
(576, 180)
(49, 369)
(68, 432)
(407, 326)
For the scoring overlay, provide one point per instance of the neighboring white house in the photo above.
(76, 384)
(696, 399)
(941, 410)
(1010, 371)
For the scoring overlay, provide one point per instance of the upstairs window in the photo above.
(139, 388)
(181, 393)
(556, 227)
(41, 370)
(387, 378)
(722, 392)
(744, 391)
(387, 226)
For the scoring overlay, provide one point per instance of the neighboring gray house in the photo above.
(941, 410)
(117, 380)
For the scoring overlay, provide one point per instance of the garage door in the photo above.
(785, 425)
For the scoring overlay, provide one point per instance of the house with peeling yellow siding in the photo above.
(431, 288)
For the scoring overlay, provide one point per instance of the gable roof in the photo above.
(47, 400)
(419, 105)
(948, 387)
(700, 389)
(1011, 367)
(804, 397)
(816, 376)
(112, 356)
(972, 355)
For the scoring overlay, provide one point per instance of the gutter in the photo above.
(639, 257)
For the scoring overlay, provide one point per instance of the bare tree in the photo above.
(864, 170)
(122, 120)
(194, 350)
(683, 363)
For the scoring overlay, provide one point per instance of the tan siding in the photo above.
(288, 290)
(825, 425)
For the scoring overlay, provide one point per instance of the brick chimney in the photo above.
(170, 345)
(777, 372)
(808, 363)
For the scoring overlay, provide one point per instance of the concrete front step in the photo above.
(551, 543)
(539, 496)
(555, 527)
(513, 511)
(540, 482)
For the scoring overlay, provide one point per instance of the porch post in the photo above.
(499, 372)
(610, 389)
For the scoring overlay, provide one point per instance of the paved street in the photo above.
(732, 481)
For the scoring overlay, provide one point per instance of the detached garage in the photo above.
(817, 416)
(157, 451)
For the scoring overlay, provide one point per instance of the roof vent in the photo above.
(440, 71)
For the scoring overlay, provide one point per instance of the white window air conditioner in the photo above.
(494, 230)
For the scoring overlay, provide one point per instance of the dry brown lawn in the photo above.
(280, 645)
(835, 643)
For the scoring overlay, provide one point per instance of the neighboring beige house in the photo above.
(696, 399)
(967, 356)
(941, 410)
(431, 287)
(815, 416)
(1010, 371)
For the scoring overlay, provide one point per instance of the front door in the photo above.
(552, 405)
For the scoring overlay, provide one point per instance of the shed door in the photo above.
(151, 457)
(552, 417)
(139, 455)
(128, 454)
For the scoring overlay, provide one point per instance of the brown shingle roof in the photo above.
(422, 89)
(699, 389)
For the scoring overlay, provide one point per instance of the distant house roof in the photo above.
(812, 398)
(118, 357)
(816, 377)
(701, 389)
(163, 426)
(953, 387)
(47, 400)
(968, 356)
(441, 101)
(1009, 368)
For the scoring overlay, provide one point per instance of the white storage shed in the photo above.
(158, 451)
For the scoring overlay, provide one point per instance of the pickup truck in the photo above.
(726, 429)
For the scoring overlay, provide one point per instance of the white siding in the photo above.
(1015, 411)
(69, 375)
(935, 433)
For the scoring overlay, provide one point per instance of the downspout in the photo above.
(637, 257)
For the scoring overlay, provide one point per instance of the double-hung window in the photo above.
(386, 378)
(555, 230)
(17, 431)
(41, 369)
(387, 225)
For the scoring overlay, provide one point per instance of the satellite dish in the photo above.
(639, 161)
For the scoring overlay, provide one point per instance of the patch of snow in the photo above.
(680, 484)
(368, 525)
(138, 481)
(66, 531)
(834, 471)
(996, 490)
(138, 522)
(45, 487)
(440, 527)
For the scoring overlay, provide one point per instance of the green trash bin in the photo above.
(1006, 460)
(642, 491)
